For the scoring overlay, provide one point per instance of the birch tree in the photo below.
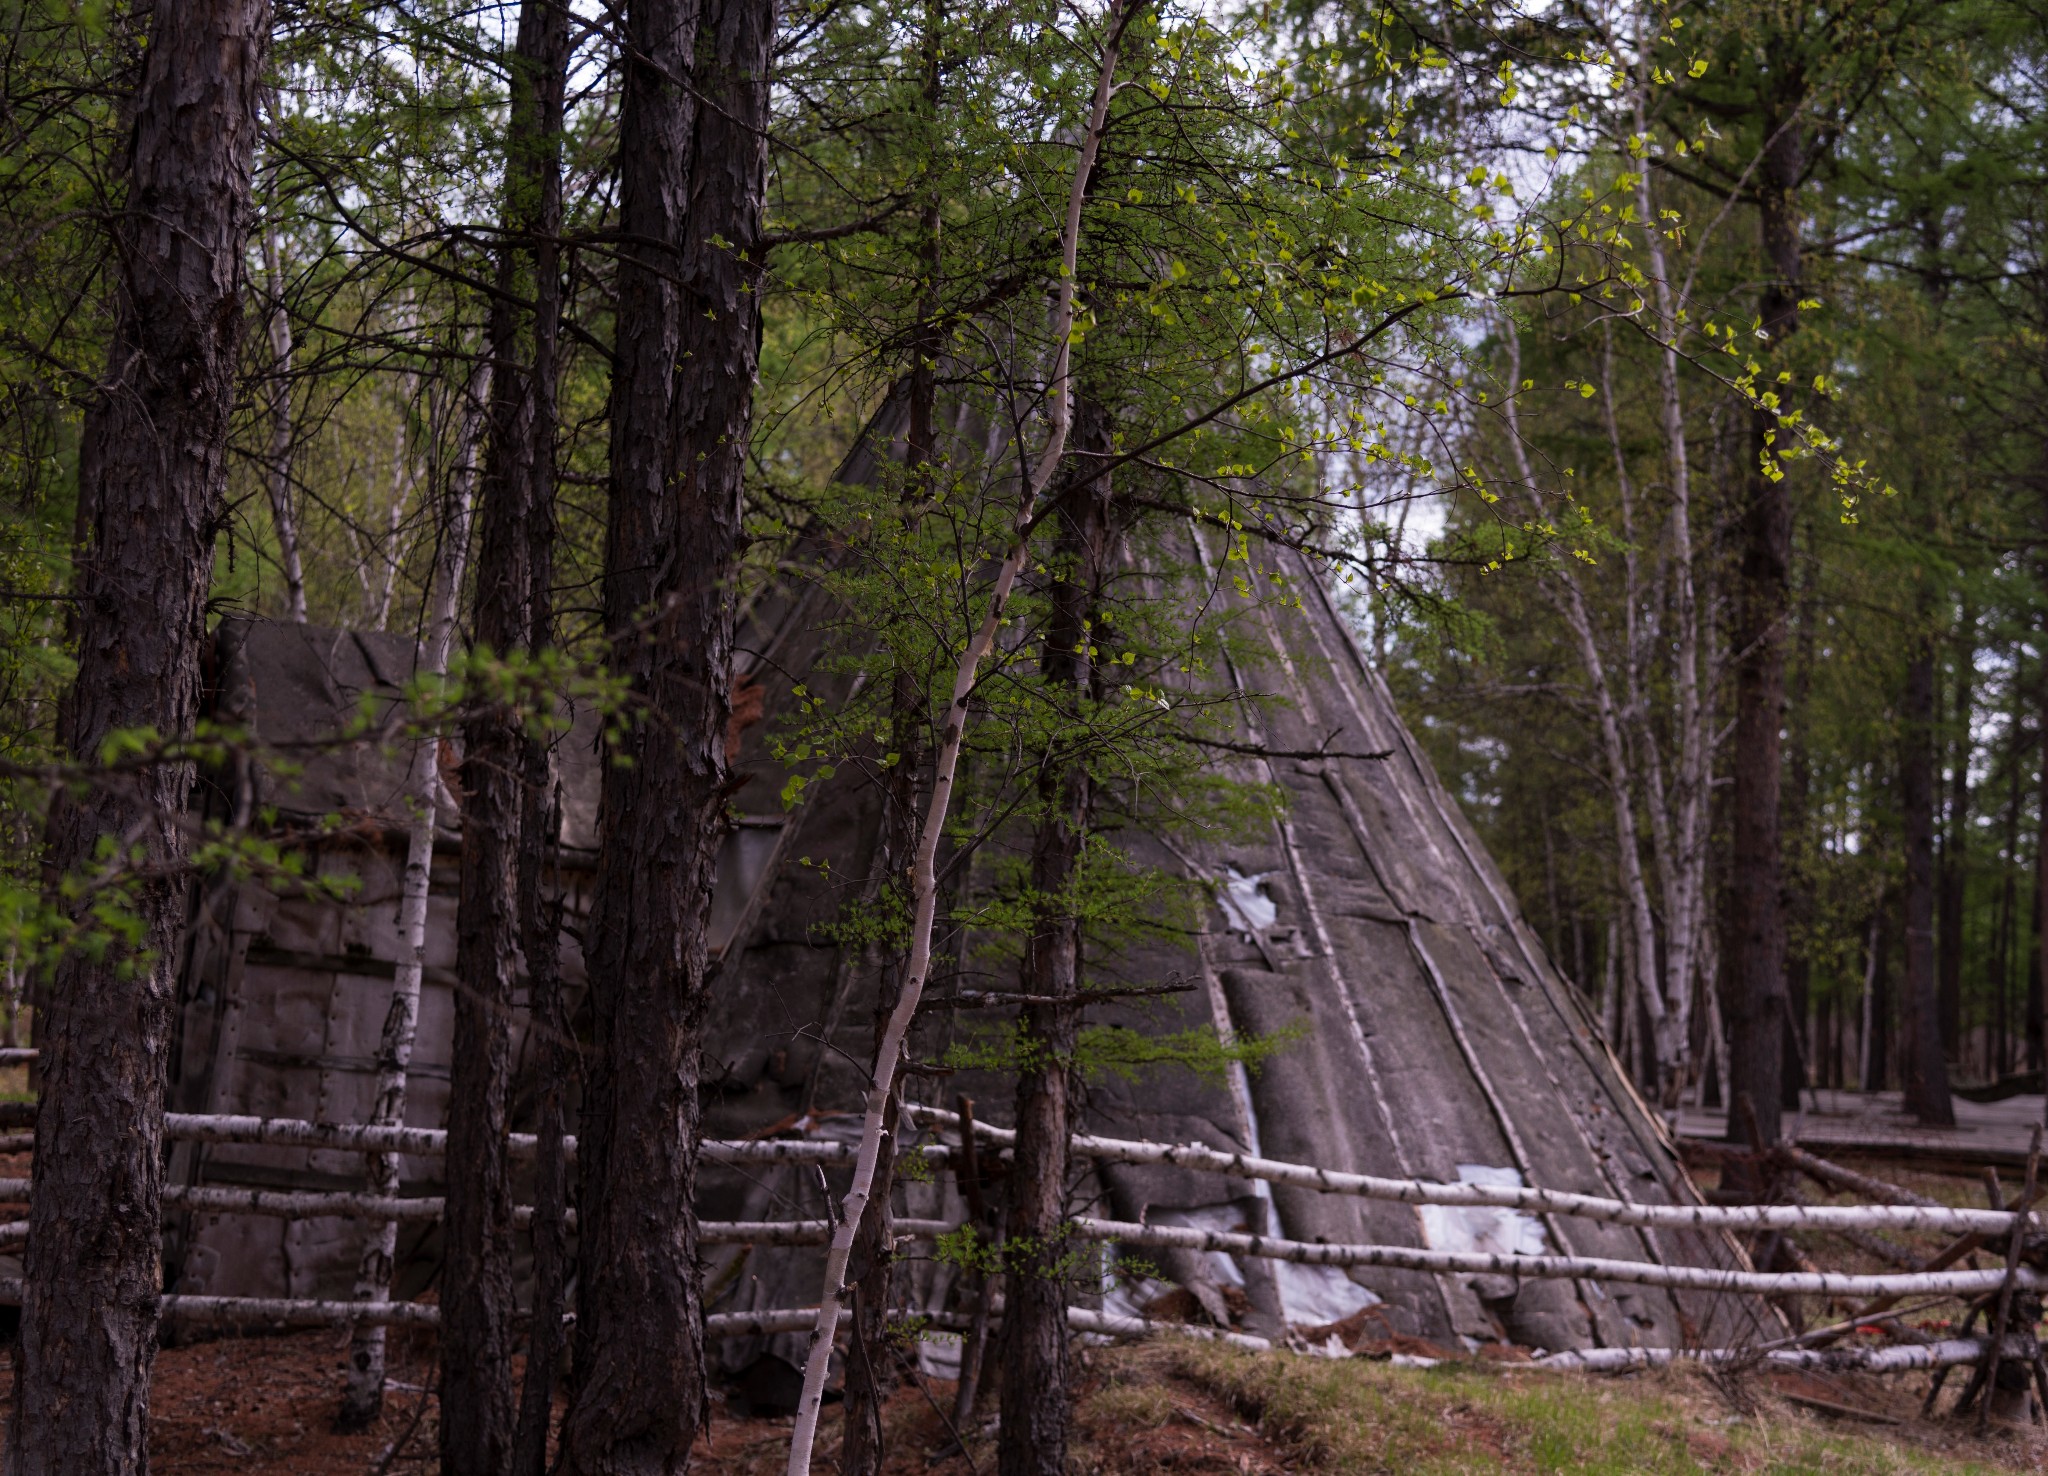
(422, 798)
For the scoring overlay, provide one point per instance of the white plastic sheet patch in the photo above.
(1484, 1230)
(1245, 905)
(1314, 1296)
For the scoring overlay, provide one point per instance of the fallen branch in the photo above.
(1321, 751)
(1836, 1177)
(296, 1205)
(1084, 1319)
(996, 999)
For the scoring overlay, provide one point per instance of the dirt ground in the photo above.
(265, 1406)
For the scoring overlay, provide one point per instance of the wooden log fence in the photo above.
(291, 1205)
(431, 1142)
(1912, 1214)
(1898, 1358)
(1925, 1216)
(1559, 1268)
(287, 1132)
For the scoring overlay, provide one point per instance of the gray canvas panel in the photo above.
(1308, 1099)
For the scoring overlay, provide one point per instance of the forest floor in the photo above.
(264, 1407)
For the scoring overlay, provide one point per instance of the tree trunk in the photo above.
(1878, 994)
(869, 1375)
(2008, 901)
(501, 842)
(2037, 983)
(924, 887)
(1797, 901)
(692, 174)
(1035, 1396)
(1926, 1072)
(364, 1397)
(153, 470)
(1754, 950)
(278, 474)
(540, 918)
(1955, 843)
(556, 1066)
(1666, 1037)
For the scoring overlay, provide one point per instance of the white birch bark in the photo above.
(946, 761)
(1681, 838)
(402, 479)
(1900, 1358)
(423, 791)
(282, 517)
(1532, 1200)
(1570, 599)
(1561, 1268)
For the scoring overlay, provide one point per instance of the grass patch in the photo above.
(1355, 1415)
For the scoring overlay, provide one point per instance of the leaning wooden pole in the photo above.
(2003, 1317)
(924, 887)
(152, 479)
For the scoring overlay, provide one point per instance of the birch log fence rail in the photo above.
(427, 1142)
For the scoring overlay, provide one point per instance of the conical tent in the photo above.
(1418, 1028)
(1423, 1032)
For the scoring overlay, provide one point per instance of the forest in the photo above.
(763, 415)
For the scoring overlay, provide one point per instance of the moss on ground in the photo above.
(1282, 1412)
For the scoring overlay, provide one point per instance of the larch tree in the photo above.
(503, 766)
(153, 473)
(692, 175)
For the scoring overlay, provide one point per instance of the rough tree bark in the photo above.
(2037, 984)
(540, 919)
(1034, 1337)
(500, 840)
(1877, 993)
(1797, 900)
(1754, 947)
(153, 470)
(692, 175)
(1926, 1071)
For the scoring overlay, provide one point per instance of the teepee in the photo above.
(1422, 1031)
